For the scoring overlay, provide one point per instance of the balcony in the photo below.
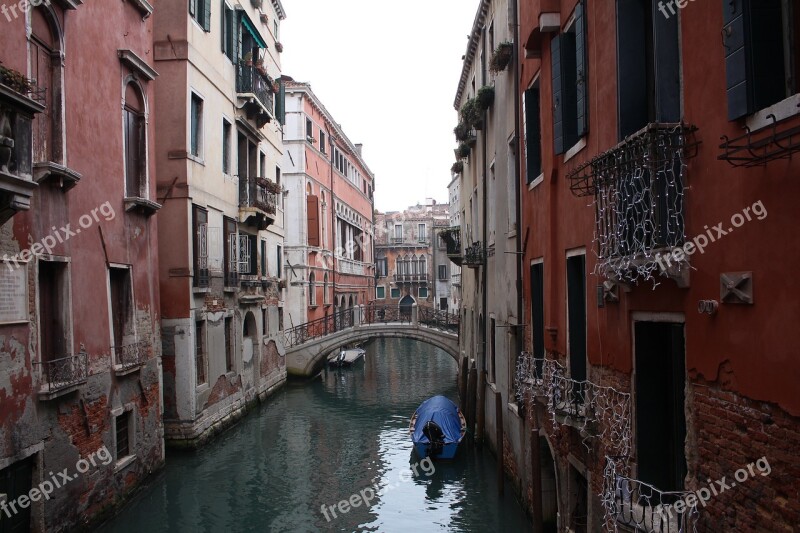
(255, 92)
(639, 189)
(411, 278)
(633, 505)
(475, 255)
(455, 280)
(63, 375)
(130, 357)
(19, 102)
(452, 238)
(348, 266)
(258, 201)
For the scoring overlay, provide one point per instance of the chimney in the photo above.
(359, 147)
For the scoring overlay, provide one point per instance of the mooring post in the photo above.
(415, 315)
(462, 384)
(498, 415)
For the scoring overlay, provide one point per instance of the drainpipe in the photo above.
(333, 223)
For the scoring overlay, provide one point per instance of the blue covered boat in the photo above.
(437, 428)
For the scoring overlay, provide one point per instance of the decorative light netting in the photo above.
(638, 188)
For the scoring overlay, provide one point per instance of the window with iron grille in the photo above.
(123, 435)
(442, 272)
(200, 232)
(231, 258)
(122, 318)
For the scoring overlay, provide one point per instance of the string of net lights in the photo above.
(638, 189)
(638, 506)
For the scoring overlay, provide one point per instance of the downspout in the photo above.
(333, 224)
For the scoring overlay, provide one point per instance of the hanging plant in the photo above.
(462, 151)
(501, 56)
(279, 47)
(485, 97)
(14, 80)
(273, 187)
(462, 132)
(471, 114)
(457, 168)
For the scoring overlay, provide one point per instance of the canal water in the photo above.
(319, 443)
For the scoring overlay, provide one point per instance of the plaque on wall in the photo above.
(13, 293)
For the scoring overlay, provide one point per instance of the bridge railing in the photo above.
(319, 328)
(434, 318)
(383, 314)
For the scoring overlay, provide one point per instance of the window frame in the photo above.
(196, 129)
(380, 292)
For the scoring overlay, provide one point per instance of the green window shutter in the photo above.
(582, 64)
(206, 14)
(738, 81)
(281, 103)
(558, 95)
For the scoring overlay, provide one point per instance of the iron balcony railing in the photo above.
(411, 278)
(438, 319)
(319, 328)
(250, 81)
(475, 255)
(132, 355)
(64, 372)
(255, 192)
(384, 314)
(633, 505)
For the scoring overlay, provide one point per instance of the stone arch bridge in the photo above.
(308, 345)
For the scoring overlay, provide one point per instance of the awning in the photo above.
(251, 29)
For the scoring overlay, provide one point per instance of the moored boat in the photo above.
(437, 428)
(347, 357)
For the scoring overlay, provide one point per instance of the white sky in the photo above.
(388, 73)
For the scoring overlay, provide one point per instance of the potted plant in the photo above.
(279, 47)
(462, 151)
(485, 97)
(501, 56)
(457, 168)
(14, 80)
(471, 114)
(461, 131)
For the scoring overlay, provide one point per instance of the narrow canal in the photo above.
(317, 444)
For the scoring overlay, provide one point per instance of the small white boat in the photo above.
(347, 357)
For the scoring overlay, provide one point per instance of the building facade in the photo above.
(220, 122)
(329, 240)
(655, 189)
(409, 256)
(80, 377)
(453, 244)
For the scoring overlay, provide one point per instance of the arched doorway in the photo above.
(405, 307)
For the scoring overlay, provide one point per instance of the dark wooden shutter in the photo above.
(206, 14)
(280, 103)
(738, 83)
(667, 67)
(632, 100)
(582, 67)
(533, 135)
(537, 315)
(312, 205)
(558, 95)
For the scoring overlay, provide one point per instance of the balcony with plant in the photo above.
(501, 57)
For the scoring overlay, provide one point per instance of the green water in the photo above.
(316, 444)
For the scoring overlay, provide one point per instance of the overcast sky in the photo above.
(388, 72)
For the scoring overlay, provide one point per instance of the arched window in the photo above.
(325, 295)
(414, 264)
(422, 269)
(312, 289)
(135, 143)
(45, 58)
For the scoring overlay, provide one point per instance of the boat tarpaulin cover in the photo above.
(444, 413)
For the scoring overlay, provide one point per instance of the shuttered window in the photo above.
(228, 31)
(648, 67)
(200, 10)
(569, 74)
(533, 134)
(312, 205)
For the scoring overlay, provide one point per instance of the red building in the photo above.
(658, 191)
(80, 377)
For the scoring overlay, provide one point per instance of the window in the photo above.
(442, 272)
(326, 299)
(398, 232)
(276, 30)
(423, 292)
(762, 45)
(263, 257)
(226, 146)
(248, 254)
(395, 292)
(312, 290)
(279, 261)
(443, 304)
(53, 310)
(422, 266)
(533, 133)
(16, 480)
(228, 31)
(200, 10)
(309, 130)
(568, 61)
(229, 343)
(196, 126)
(231, 253)
(200, 235)
(45, 72)
(422, 234)
(382, 267)
(537, 315)
(380, 293)
(322, 142)
(492, 351)
(135, 143)
(576, 318)
(648, 69)
(262, 165)
(122, 423)
(122, 316)
(312, 206)
(200, 352)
